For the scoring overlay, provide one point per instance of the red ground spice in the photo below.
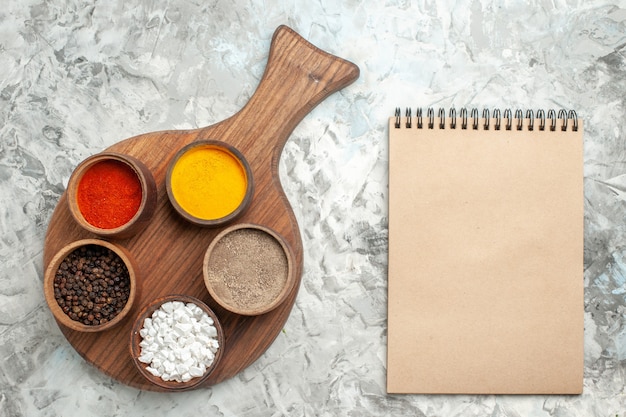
(109, 194)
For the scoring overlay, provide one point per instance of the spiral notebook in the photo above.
(485, 284)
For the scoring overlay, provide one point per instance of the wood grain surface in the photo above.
(169, 251)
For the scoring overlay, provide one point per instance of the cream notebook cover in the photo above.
(485, 284)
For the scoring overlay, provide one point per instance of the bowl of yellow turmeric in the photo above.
(209, 183)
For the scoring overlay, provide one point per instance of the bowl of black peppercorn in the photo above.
(90, 285)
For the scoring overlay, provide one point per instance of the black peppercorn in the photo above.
(82, 283)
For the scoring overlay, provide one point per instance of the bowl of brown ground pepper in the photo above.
(90, 285)
(248, 269)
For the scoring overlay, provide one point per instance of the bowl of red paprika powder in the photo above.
(112, 195)
(90, 285)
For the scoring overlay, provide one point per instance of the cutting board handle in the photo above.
(297, 77)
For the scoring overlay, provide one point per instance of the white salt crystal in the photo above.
(153, 371)
(169, 366)
(196, 371)
(168, 339)
(185, 354)
(146, 357)
(194, 349)
(184, 327)
(179, 342)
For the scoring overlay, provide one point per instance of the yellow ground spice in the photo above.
(208, 182)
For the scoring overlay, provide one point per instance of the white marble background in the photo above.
(77, 76)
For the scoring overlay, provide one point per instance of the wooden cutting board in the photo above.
(169, 252)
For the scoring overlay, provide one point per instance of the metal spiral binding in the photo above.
(519, 116)
(496, 115)
(452, 118)
(509, 119)
(474, 116)
(531, 119)
(541, 115)
(463, 118)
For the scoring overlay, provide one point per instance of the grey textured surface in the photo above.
(78, 76)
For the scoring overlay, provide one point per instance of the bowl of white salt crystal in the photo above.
(176, 342)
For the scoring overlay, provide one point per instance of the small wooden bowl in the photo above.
(146, 207)
(49, 277)
(232, 152)
(135, 340)
(249, 269)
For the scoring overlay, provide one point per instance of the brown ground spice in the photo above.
(248, 268)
